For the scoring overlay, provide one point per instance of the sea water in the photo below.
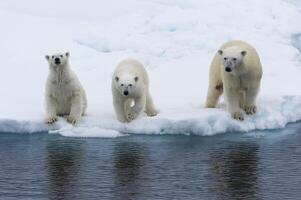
(254, 165)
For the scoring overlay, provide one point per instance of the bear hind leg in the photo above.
(150, 108)
(214, 92)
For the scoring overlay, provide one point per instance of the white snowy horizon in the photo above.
(175, 40)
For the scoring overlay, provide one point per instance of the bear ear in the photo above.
(136, 78)
(47, 57)
(67, 54)
(243, 53)
(116, 78)
(220, 52)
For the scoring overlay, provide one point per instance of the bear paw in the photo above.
(151, 113)
(131, 116)
(210, 105)
(121, 119)
(51, 120)
(237, 115)
(72, 120)
(250, 110)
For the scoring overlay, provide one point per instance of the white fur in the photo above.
(64, 93)
(242, 84)
(130, 76)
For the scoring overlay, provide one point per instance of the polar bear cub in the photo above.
(130, 90)
(236, 71)
(64, 93)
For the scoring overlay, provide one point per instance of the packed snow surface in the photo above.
(175, 40)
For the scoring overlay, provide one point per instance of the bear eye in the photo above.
(52, 57)
(122, 85)
(234, 59)
(130, 85)
(61, 56)
(225, 58)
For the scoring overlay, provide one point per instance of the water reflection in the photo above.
(64, 158)
(128, 162)
(229, 166)
(235, 169)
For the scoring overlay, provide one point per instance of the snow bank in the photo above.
(274, 113)
(175, 40)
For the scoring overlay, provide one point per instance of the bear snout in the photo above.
(126, 93)
(228, 69)
(57, 61)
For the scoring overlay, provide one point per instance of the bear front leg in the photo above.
(250, 106)
(232, 97)
(242, 100)
(119, 104)
(150, 108)
(136, 109)
(76, 109)
(50, 110)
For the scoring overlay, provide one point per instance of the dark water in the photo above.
(258, 165)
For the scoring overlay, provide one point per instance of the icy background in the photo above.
(175, 40)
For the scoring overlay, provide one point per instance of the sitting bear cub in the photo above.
(130, 90)
(236, 71)
(64, 93)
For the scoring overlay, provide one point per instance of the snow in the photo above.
(175, 40)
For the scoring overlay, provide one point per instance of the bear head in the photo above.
(58, 60)
(126, 84)
(232, 57)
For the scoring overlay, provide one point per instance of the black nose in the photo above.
(126, 93)
(228, 69)
(57, 61)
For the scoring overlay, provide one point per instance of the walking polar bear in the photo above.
(130, 90)
(64, 93)
(236, 70)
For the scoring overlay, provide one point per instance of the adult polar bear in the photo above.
(130, 85)
(64, 93)
(236, 70)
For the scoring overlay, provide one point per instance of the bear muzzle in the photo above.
(57, 61)
(125, 93)
(228, 69)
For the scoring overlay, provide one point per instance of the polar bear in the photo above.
(130, 90)
(64, 93)
(236, 70)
